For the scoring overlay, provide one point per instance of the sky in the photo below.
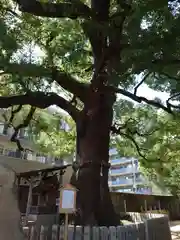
(145, 91)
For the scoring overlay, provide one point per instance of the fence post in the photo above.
(112, 233)
(32, 233)
(54, 232)
(87, 233)
(61, 233)
(146, 230)
(95, 233)
(42, 233)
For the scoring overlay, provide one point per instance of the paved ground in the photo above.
(175, 230)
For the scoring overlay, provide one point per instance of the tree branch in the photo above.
(138, 99)
(71, 10)
(13, 112)
(48, 134)
(118, 131)
(40, 100)
(70, 84)
(170, 105)
(8, 10)
(143, 134)
(166, 61)
(135, 144)
(65, 80)
(141, 82)
(22, 125)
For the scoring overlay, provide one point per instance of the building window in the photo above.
(10, 131)
(18, 154)
(21, 133)
(35, 199)
(40, 158)
(1, 128)
(10, 153)
(1, 149)
(5, 129)
(29, 156)
(26, 133)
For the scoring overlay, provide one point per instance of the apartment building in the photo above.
(125, 175)
(8, 148)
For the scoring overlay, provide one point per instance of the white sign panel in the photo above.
(67, 199)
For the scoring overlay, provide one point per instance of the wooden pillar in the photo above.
(29, 201)
(125, 206)
(145, 205)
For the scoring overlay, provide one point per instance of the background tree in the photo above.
(92, 50)
(54, 135)
(153, 137)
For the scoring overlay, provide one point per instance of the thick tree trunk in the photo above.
(93, 136)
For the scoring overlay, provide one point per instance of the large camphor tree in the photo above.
(91, 51)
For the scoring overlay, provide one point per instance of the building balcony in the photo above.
(123, 171)
(145, 191)
(31, 156)
(8, 131)
(120, 161)
(113, 152)
(121, 183)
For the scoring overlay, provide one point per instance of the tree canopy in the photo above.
(41, 48)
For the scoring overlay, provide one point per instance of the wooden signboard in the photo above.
(67, 199)
(67, 204)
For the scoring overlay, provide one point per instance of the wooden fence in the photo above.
(127, 202)
(151, 229)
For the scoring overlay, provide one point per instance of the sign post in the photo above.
(67, 204)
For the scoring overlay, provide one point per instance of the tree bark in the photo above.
(93, 137)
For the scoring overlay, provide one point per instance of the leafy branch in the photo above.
(9, 10)
(125, 131)
(71, 10)
(139, 99)
(39, 100)
(64, 79)
(131, 138)
(141, 82)
(14, 137)
(48, 134)
(13, 113)
(170, 105)
(25, 124)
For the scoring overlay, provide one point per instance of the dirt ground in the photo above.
(175, 230)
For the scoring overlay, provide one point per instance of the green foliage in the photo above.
(49, 135)
(157, 137)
